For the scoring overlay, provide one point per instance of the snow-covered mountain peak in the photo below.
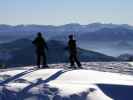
(62, 83)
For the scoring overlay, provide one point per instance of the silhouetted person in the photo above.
(73, 52)
(41, 47)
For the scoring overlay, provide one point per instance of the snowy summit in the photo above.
(62, 83)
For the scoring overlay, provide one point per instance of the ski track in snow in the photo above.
(115, 67)
(93, 82)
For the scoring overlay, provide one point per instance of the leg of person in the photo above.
(77, 61)
(44, 60)
(38, 60)
(71, 60)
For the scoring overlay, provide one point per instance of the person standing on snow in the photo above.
(73, 52)
(41, 47)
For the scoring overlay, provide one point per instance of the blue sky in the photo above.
(58, 12)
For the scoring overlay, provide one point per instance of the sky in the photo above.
(59, 12)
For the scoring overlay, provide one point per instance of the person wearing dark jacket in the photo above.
(73, 52)
(41, 47)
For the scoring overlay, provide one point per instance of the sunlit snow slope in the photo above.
(61, 83)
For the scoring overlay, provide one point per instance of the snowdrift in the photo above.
(64, 84)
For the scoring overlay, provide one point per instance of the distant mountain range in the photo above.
(22, 52)
(95, 36)
(91, 32)
(108, 34)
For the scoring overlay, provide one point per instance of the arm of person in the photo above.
(34, 41)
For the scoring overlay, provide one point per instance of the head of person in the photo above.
(39, 34)
(70, 37)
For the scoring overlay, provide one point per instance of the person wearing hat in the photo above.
(73, 52)
(41, 47)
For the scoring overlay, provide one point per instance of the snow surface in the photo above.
(61, 83)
